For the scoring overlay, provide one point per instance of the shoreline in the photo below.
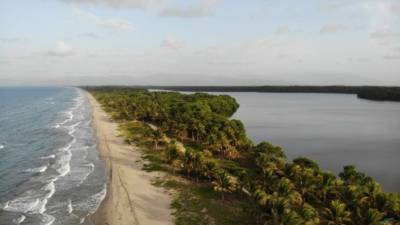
(131, 199)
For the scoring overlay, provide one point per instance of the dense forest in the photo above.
(380, 94)
(377, 93)
(217, 153)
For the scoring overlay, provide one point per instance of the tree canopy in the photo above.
(218, 152)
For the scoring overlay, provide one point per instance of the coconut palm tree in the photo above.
(224, 183)
(157, 137)
(337, 214)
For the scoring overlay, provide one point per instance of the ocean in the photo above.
(50, 171)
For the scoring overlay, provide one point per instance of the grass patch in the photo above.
(154, 163)
(194, 203)
(199, 204)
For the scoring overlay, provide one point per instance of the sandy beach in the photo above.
(130, 199)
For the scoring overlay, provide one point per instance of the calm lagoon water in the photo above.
(333, 129)
(49, 169)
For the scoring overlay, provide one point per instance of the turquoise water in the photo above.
(50, 172)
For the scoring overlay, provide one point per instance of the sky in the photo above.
(199, 42)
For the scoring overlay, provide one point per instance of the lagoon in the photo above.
(333, 129)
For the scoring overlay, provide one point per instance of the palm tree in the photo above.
(370, 217)
(325, 186)
(157, 137)
(198, 164)
(172, 152)
(337, 214)
(224, 183)
(309, 215)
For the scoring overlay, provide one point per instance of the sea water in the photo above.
(50, 171)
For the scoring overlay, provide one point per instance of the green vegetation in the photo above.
(380, 94)
(223, 178)
(377, 93)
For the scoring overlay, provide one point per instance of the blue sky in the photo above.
(236, 42)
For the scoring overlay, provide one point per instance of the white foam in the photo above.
(40, 169)
(19, 220)
(5, 205)
(70, 117)
(72, 128)
(1, 146)
(91, 165)
(49, 157)
(63, 164)
(22, 204)
(32, 201)
(40, 207)
(97, 198)
(69, 207)
(51, 189)
(47, 219)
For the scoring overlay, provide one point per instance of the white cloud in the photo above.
(205, 8)
(392, 57)
(332, 28)
(283, 56)
(202, 9)
(382, 15)
(62, 49)
(283, 30)
(8, 40)
(140, 4)
(333, 5)
(395, 8)
(382, 34)
(89, 35)
(114, 24)
(172, 43)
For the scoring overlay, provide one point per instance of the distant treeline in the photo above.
(378, 93)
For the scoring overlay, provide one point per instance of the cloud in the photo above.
(283, 56)
(363, 59)
(8, 40)
(392, 57)
(283, 30)
(333, 5)
(4, 60)
(172, 43)
(112, 24)
(395, 8)
(383, 34)
(204, 9)
(139, 4)
(383, 18)
(332, 28)
(89, 35)
(62, 49)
